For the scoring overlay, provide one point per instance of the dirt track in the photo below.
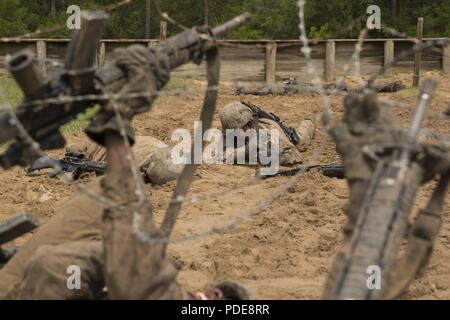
(283, 253)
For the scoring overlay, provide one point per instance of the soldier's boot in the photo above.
(305, 131)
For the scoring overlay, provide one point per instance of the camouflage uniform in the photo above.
(73, 235)
(152, 156)
(101, 242)
(235, 115)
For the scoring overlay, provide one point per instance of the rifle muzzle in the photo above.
(24, 70)
(235, 23)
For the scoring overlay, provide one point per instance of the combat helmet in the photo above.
(160, 168)
(235, 115)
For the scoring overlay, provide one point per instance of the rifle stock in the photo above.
(42, 122)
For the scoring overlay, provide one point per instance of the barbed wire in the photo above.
(356, 57)
(35, 147)
(263, 205)
(317, 81)
(165, 15)
(243, 216)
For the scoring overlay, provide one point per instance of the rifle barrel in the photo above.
(182, 42)
(425, 96)
(231, 25)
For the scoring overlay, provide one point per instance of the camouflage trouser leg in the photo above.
(305, 132)
(77, 219)
(68, 271)
(151, 154)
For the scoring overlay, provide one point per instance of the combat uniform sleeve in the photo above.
(288, 152)
(134, 269)
(91, 150)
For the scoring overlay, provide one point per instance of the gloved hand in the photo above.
(146, 71)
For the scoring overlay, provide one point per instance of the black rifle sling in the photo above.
(206, 117)
(259, 113)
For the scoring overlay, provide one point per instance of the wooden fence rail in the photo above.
(261, 60)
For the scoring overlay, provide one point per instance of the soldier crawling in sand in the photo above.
(241, 117)
(159, 163)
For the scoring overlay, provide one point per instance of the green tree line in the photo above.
(272, 19)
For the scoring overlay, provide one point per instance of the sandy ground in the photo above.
(284, 252)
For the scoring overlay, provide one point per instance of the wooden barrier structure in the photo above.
(271, 60)
(389, 57)
(262, 60)
(330, 60)
(446, 59)
(163, 30)
(418, 55)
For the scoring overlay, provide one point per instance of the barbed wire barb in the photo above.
(262, 205)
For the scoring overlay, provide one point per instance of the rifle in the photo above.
(12, 229)
(383, 217)
(333, 170)
(42, 120)
(260, 113)
(73, 162)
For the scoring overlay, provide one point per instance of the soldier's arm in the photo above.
(135, 268)
(116, 152)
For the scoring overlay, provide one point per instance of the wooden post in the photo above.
(418, 57)
(206, 13)
(330, 60)
(388, 57)
(148, 14)
(271, 60)
(163, 30)
(446, 58)
(41, 50)
(101, 55)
